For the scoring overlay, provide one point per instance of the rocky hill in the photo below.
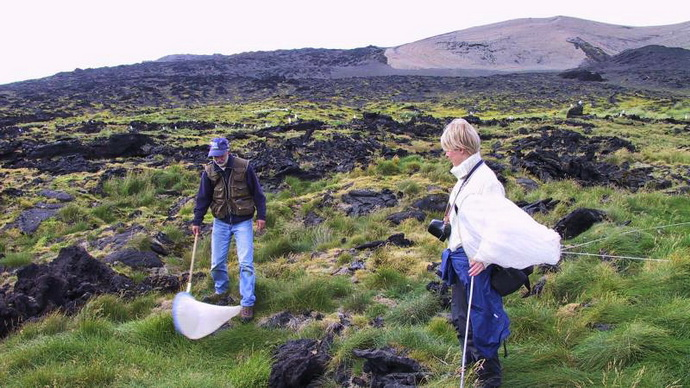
(547, 44)
(534, 44)
(652, 57)
(656, 67)
(299, 63)
(512, 46)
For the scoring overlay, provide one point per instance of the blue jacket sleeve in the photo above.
(257, 192)
(203, 199)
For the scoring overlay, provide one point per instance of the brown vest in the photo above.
(233, 197)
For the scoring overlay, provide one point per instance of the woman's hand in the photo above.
(476, 267)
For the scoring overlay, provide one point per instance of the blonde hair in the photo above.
(460, 134)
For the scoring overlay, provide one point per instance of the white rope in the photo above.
(628, 232)
(467, 329)
(612, 256)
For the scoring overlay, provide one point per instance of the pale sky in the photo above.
(42, 37)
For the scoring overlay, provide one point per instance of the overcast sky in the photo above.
(43, 37)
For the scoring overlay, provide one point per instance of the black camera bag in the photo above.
(439, 229)
(508, 280)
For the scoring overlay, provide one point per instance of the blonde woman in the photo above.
(489, 324)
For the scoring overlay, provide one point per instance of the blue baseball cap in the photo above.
(219, 146)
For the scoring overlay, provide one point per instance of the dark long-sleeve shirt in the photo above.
(205, 195)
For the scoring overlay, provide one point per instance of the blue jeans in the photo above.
(244, 243)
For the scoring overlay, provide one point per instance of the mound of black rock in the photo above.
(578, 222)
(66, 284)
(563, 154)
(299, 363)
(363, 202)
(387, 368)
(70, 155)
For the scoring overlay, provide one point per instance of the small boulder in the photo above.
(577, 222)
(388, 369)
(575, 110)
(363, 202)
(29, 220)
(397, 218)
(432, 203)
(135, 258)
(59, 195)
(298, 363)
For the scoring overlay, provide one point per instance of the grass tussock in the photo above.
(624, 346)
(72, 214)
(303, 293)
(52, 324)
(16, 259)
(251, 371)
(417, 309)
(358, 302)
(116, 309)
(531, 321)
(387, 279)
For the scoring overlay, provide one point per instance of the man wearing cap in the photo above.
(230, 187)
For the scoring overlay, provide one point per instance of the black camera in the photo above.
(439, 229)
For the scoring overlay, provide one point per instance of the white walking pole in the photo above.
(467, 329)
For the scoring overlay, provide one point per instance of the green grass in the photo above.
(16, 259)
(417, 309)
(251, 370)
(106, 212)
(140, 242)
(175, 178)
(285, 238)
(598, 323)
(358, 302)
(99, 352)
(174, 233)
(141, 188)
(386, 279)
(303, 293)
(72, 214)
(625, 346)
(116, 309)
